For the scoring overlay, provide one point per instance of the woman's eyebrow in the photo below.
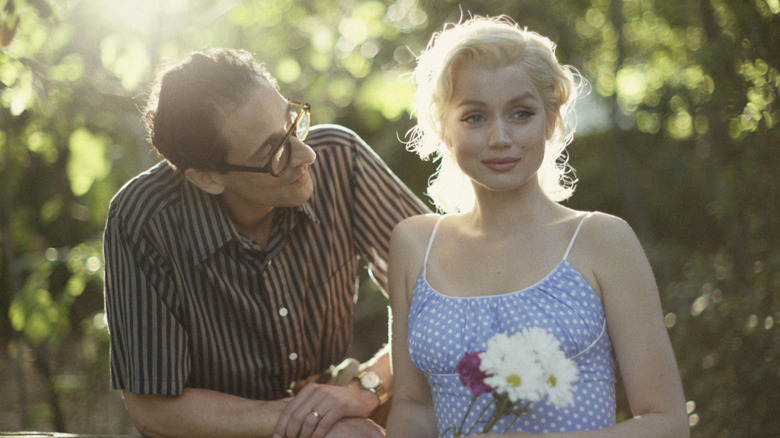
(519, 98)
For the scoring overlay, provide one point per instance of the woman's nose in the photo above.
(499, 135)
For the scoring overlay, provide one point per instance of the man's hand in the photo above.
(318, 408)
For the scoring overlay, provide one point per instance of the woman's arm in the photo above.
(412, 412)
(636, 327)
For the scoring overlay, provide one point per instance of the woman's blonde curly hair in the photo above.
(496, 42)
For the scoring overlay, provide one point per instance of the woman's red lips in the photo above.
(502, 164)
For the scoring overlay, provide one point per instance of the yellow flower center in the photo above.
(552, 380)
(514, 380)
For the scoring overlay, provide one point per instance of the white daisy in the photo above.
(561, 374)
(520, 377)
(513, 368)
(499, 348)
(540, 341)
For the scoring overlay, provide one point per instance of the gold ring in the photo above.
(317, 414)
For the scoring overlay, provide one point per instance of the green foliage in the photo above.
(679, 136)
(41, 310)
(87, 160)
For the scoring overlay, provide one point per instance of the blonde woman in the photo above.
(492, 104)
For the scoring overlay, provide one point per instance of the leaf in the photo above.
(34, 313)
(8, 32)
(20, 96)
(87, 162)
(42, 7)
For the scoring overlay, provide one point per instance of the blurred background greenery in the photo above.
(679, 135)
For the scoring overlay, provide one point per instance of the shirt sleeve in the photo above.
(149, 353)
(381, 201)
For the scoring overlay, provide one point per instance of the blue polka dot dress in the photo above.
(443, 328)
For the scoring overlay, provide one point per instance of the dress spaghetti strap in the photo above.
(574, 237)
(430, 240)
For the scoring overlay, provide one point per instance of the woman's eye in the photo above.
(473, 118)
(522, 114)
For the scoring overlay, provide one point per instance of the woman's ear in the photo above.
(208, 181)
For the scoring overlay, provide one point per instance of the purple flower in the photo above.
(470, 375)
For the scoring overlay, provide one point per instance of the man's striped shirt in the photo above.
(191, 302)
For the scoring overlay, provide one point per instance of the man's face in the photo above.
(253, 131)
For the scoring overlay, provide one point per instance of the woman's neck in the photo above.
(503, 212)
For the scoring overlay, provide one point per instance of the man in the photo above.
(231, 266)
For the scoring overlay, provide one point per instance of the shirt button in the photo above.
(283, 312)
(293, 356)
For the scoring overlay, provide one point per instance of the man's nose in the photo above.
(301, 153)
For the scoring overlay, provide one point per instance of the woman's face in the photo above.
(495, 125)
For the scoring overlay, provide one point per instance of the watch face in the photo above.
(370, 380)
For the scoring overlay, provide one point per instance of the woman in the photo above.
(492, 104)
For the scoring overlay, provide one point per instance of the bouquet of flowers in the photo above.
(517, 370)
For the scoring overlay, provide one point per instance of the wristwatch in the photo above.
(370, 381)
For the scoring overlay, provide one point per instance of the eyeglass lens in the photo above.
(302, 130)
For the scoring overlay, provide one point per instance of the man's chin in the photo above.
(301, 196)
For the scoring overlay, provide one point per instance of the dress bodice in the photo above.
(443, 328)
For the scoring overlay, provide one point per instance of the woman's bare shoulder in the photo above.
(416, 228)
(607, 229)
(610, 242)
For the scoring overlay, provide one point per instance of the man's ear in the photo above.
(208, 181)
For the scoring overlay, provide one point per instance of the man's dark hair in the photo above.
(189, 101)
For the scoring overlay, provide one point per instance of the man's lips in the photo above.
(303, 176)
(502, 164)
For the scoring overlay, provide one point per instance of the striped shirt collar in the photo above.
(209, 224)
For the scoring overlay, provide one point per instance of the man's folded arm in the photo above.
(202, 413)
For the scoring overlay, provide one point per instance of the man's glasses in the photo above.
(280, 155)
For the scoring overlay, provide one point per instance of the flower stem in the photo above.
(477, 421)
(517, 416)
(503, 408)
(459, 432)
